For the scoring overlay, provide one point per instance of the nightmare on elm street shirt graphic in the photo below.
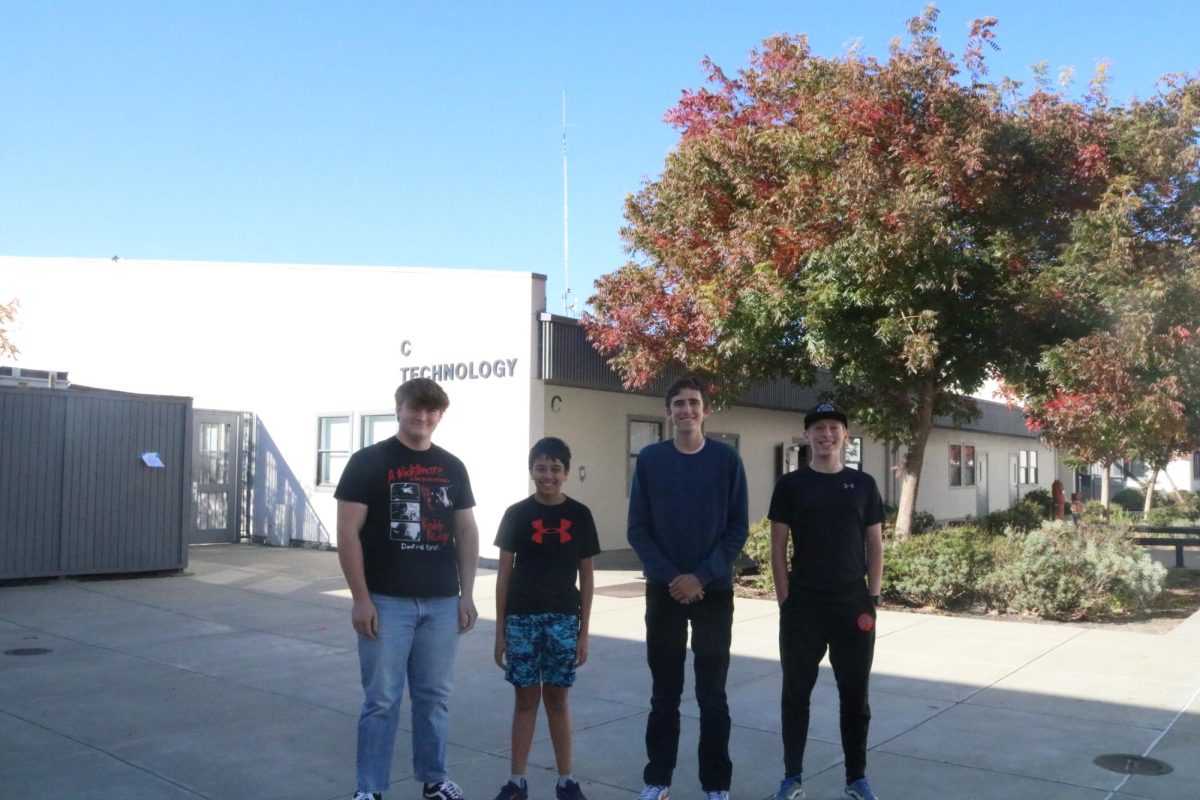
(411, 498)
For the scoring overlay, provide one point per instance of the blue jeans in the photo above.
(418, 637)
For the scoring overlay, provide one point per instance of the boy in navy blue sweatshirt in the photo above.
(688, 520)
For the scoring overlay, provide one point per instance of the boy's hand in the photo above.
(686, 588)
(466, 614)
(365, 618)
(501, 645)
(581, 650)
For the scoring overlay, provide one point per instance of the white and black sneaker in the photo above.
(368, 796)
(444, 789)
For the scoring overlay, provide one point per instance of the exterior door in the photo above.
(216, 477)
(1014, 476)
(981, 485)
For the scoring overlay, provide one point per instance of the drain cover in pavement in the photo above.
(28, 651)
(1127, 764)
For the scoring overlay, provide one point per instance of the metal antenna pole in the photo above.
(568, 299)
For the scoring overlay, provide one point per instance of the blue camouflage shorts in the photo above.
(540, 648)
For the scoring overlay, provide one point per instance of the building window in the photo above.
(731, 439)
(1027, 468)
(333, 448)
(376, 428)
(962, 465)
(641, 433)
(1196, 465)
(853, 458)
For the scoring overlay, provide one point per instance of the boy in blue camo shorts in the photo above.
(545, 541)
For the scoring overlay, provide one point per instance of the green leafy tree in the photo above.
(1131, 388)
(891, 222)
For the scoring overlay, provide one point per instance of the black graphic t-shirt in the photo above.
(549, 542)
(411, 496)
(829, 515)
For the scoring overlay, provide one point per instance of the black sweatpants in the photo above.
(843, 622)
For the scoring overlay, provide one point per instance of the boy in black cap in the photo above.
(834, 518)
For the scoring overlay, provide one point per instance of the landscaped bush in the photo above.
(1073, 572)
(758, 550)
(922, 522)
(1024, 516)
(942, 569)
(1189, 506)
(1132, 500)
(1043, 500)
(1166, 515)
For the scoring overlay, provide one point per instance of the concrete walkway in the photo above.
(238, 679)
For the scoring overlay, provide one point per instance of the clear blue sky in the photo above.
(421, 133)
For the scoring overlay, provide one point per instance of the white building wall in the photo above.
(1180, 474)
(290, 342)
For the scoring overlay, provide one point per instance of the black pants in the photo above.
(666, 651)
(809, 622)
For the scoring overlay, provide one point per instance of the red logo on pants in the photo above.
(865, 622)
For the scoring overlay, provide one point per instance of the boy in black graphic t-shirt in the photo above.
(545, 541)
(408, 546)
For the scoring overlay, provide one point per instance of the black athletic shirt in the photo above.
(829, 515)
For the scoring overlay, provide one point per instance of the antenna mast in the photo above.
(568, 297)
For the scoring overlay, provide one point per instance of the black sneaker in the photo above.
(368, 796)
(510, 791)
(444, 789)
(568, 791)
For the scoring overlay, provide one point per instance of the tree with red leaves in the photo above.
(1131, 389)
(892, 222)
(8, 312)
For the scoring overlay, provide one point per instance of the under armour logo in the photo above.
(847, 485)
(540, 531)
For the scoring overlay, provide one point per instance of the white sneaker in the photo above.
(653, 792)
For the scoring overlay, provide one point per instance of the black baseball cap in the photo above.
(824, 411)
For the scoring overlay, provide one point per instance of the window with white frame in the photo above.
(375, 428)
(641, 432)
(333, 448)
(1027, 466)
(962, 464)
(853, 452)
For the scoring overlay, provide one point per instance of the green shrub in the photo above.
(993, 524)
(758, 550)
(1073, 572)
(922, 522)
(941, 569)
(1024, 516)
(1027, 515)
(1094, 512)
(1166, 515)
(1189, 506)
(1132, 500)
(1043, 500)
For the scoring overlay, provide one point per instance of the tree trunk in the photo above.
(914, 458)
(1105, 480)
(1149, 488)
